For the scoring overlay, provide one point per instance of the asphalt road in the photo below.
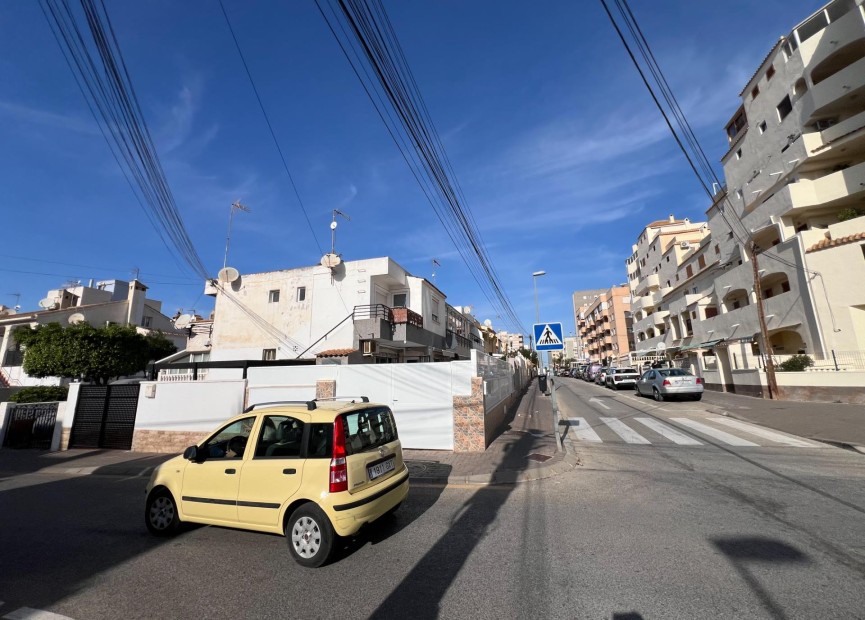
(641, 530)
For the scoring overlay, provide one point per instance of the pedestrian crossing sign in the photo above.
(548, 337)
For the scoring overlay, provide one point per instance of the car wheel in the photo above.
(160, 513)
(656, 393)
(310, 536)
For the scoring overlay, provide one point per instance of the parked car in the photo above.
(601, 376)
(313, 471)
(666, 383)
(617, 378)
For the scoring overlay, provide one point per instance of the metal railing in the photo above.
(373, 311)
(834, 361)
(31, 425)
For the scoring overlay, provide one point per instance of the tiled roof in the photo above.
(831, 243)
(335, 352)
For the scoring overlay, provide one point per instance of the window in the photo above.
(367, 429)
(230, 441)
(301, 293)
(268, 354)
(770, 72)
(737, 125)
(784, 108)
(273, 296)
(146, 321)
(400, 300)
(668, 259)
(762, 126)
(435, 309)
(701, 261)
(739, 154)
(755, 92)
(717, 250)
(785, 285)
(280, 437)
(689, 271)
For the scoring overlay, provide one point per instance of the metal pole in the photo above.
(764, 330)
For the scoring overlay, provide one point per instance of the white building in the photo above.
(364, 311)
(795, 174)
(103, 303)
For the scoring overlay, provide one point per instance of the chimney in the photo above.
(672, 218)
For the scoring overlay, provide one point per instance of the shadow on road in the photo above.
(745, 550)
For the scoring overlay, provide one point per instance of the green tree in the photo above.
(88, 353)
(529, 355)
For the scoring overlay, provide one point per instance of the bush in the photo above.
(40, 394)
(849, 214)
(797, 363)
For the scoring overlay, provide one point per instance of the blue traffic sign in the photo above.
(548, 337)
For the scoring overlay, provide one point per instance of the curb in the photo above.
(561, 466)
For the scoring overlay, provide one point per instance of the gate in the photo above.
(105, 417)
(31, 425)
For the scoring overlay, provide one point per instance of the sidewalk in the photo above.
(526, 450)
(834, 423)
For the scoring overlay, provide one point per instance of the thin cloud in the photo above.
(36, 116)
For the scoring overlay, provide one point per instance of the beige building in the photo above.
(795, 186)
(582, 300)
(101, 303)
(604, 326)
(510, 342)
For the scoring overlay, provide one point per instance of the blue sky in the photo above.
(560, 152)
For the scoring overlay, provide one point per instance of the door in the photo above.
(274, 471)
(210, 487)
(105, 417)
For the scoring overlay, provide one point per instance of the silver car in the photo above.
(665, 383)
(617, 378)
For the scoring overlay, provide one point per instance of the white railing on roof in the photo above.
(168, 375)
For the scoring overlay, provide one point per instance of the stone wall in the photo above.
(165, 442)
(469, 425)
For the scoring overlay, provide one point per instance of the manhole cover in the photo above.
(540, 458)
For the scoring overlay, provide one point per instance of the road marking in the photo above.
(727, 438)
(669, 432)
(624, 431)
(26, 613)
(595, 400)
(763, 432)
(583, 431)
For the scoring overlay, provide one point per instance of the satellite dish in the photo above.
(75, 319)
(661, 347)
(228, 274)
(330, 260)
(46, 303)
(183, 321)
(488, 323)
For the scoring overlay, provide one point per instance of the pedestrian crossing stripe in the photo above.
(581, 430)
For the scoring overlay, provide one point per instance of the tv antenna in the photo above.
(435, 264)
(17, 297)
(235, 206)
(333, 229)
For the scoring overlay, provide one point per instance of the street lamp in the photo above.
(535, 281)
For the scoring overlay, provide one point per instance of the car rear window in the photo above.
(367, 429)
(674, 372)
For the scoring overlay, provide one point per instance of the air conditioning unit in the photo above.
(368, 347)
(685, 245)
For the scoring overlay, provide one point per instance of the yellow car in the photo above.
(310, 470)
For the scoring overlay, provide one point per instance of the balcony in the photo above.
(658, 317)
(835, 189)
(834, 94)
(396, 327)
(649, 283)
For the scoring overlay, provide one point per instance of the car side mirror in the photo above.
(191, 453)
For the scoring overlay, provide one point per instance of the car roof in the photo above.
(324, 410)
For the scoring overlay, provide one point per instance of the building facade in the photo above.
(795, 192)
(604, 327)
(582, 300)
(365, 311)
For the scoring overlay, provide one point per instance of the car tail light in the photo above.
(699, 380)
(666, 382)
(338, 466)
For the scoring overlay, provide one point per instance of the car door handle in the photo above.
(288, 472)
(230, 471)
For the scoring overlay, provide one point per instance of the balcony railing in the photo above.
(176, 376)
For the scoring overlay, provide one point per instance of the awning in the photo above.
(701, 345)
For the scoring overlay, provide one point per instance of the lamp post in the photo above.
(535, 277)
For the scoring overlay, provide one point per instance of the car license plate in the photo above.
(380, 469)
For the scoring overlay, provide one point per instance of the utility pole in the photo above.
(764, 330)
(235, 206)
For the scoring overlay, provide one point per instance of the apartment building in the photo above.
(795, 189)
(511, 342)
(582, 300)
(364, 311)
(605, 327)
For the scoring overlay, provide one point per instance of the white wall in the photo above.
(188, 406)
(420, 395)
